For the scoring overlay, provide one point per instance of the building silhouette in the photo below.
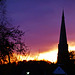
(63, 55)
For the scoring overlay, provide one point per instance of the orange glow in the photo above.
(71, 46)
(47, 56)
(51, 55)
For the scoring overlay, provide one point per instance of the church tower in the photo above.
(63, 55)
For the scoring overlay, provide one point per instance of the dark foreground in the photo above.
(37, 68)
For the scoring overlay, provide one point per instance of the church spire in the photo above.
(63, 38)
(63, 55)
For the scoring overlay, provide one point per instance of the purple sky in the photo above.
(41, 19)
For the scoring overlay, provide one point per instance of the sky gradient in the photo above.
(41, 20)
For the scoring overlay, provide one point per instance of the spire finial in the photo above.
(63, 15)
(63, 11)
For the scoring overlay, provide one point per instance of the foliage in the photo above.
(72, 55)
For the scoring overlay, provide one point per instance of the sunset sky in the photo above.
(41, 20)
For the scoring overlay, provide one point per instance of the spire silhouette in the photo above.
(63, 55)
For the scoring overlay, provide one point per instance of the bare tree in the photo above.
(10, 37)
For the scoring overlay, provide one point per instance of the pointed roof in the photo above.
(59, 70)
(63, 38)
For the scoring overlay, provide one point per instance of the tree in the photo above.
(9, 36)
(72, 55)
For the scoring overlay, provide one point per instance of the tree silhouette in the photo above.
(9, 36)
(72, 55)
